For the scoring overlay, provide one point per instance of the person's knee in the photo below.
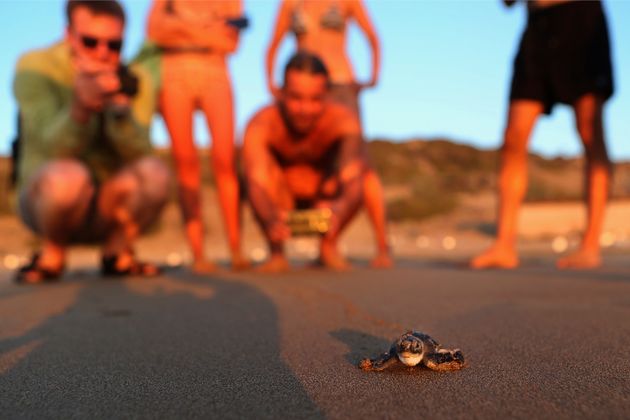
(223, 164)
(125, 185)
(64, 184)
(188, 168)
(596, 154)
(586, 130)
(372, 185)
(155, 179)
(514, 147)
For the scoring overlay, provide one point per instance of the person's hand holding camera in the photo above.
(96, 86)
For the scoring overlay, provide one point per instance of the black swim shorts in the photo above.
(563, 55)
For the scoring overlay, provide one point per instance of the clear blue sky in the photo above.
(446, 69)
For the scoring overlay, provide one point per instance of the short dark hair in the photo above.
(306, 62)
(98, 7)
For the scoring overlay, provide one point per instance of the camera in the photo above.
(309, 222)
(128, 81)
(239, 23)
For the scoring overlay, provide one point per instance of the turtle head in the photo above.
(410, 350)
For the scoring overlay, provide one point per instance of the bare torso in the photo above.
(310, 149)
(182, 25)
(305, 160)
(320, 26)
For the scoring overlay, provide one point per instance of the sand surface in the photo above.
(540, 342)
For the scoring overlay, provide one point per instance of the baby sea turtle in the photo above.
(415, 348)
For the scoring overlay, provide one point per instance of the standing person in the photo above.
(195, 38)
(320, 27)
(564, 57)
(84, 169)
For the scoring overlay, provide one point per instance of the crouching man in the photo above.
(304, 152)
(85, 170)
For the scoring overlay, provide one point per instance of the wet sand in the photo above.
(539, 342)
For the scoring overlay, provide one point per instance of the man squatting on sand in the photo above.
(302, 152)
(85, 170)
(322, 28)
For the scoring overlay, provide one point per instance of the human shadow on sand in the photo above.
(179, 347)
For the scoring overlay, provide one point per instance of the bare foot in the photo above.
(495, 257)
(382, 260)
(581, 259)
(203, 267)
(239, 262)
(275, 264)
(329, 257)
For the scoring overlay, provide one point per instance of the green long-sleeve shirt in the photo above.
(43, 90)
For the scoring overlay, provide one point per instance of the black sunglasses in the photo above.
(114, 45)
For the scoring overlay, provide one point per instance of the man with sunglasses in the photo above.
(85, 172)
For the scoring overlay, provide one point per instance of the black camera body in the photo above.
(239, 23)
(128, 81)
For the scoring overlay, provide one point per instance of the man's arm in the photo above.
(47, 120)
(127, 128)
(258, 166)
(351, 168)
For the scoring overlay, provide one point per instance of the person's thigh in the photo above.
(58, 186)
(521, 118)
(217, 105)
(140, 189)
(177, 106)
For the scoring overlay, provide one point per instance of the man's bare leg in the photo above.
(374, 200)
(269, 195)
(522, 116)
(589, 121)
(329, 253)
(55, 204)
(129, 202)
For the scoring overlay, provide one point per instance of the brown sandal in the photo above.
(32, 273)
(109, 267)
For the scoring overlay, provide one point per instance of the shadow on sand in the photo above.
(361, 344)
(174, 346)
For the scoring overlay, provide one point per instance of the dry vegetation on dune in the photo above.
(431, 175)
(423, 178)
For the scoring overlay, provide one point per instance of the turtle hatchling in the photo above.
(415, 348)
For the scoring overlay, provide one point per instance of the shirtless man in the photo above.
(321, 27)
(563, 58)
(304, 151)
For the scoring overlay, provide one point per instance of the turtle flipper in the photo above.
(445, 359)
(382, 362)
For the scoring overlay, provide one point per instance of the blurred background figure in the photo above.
(84, 170)
(564, 57)
(320, 27)
(304, 152)
(195, 38)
